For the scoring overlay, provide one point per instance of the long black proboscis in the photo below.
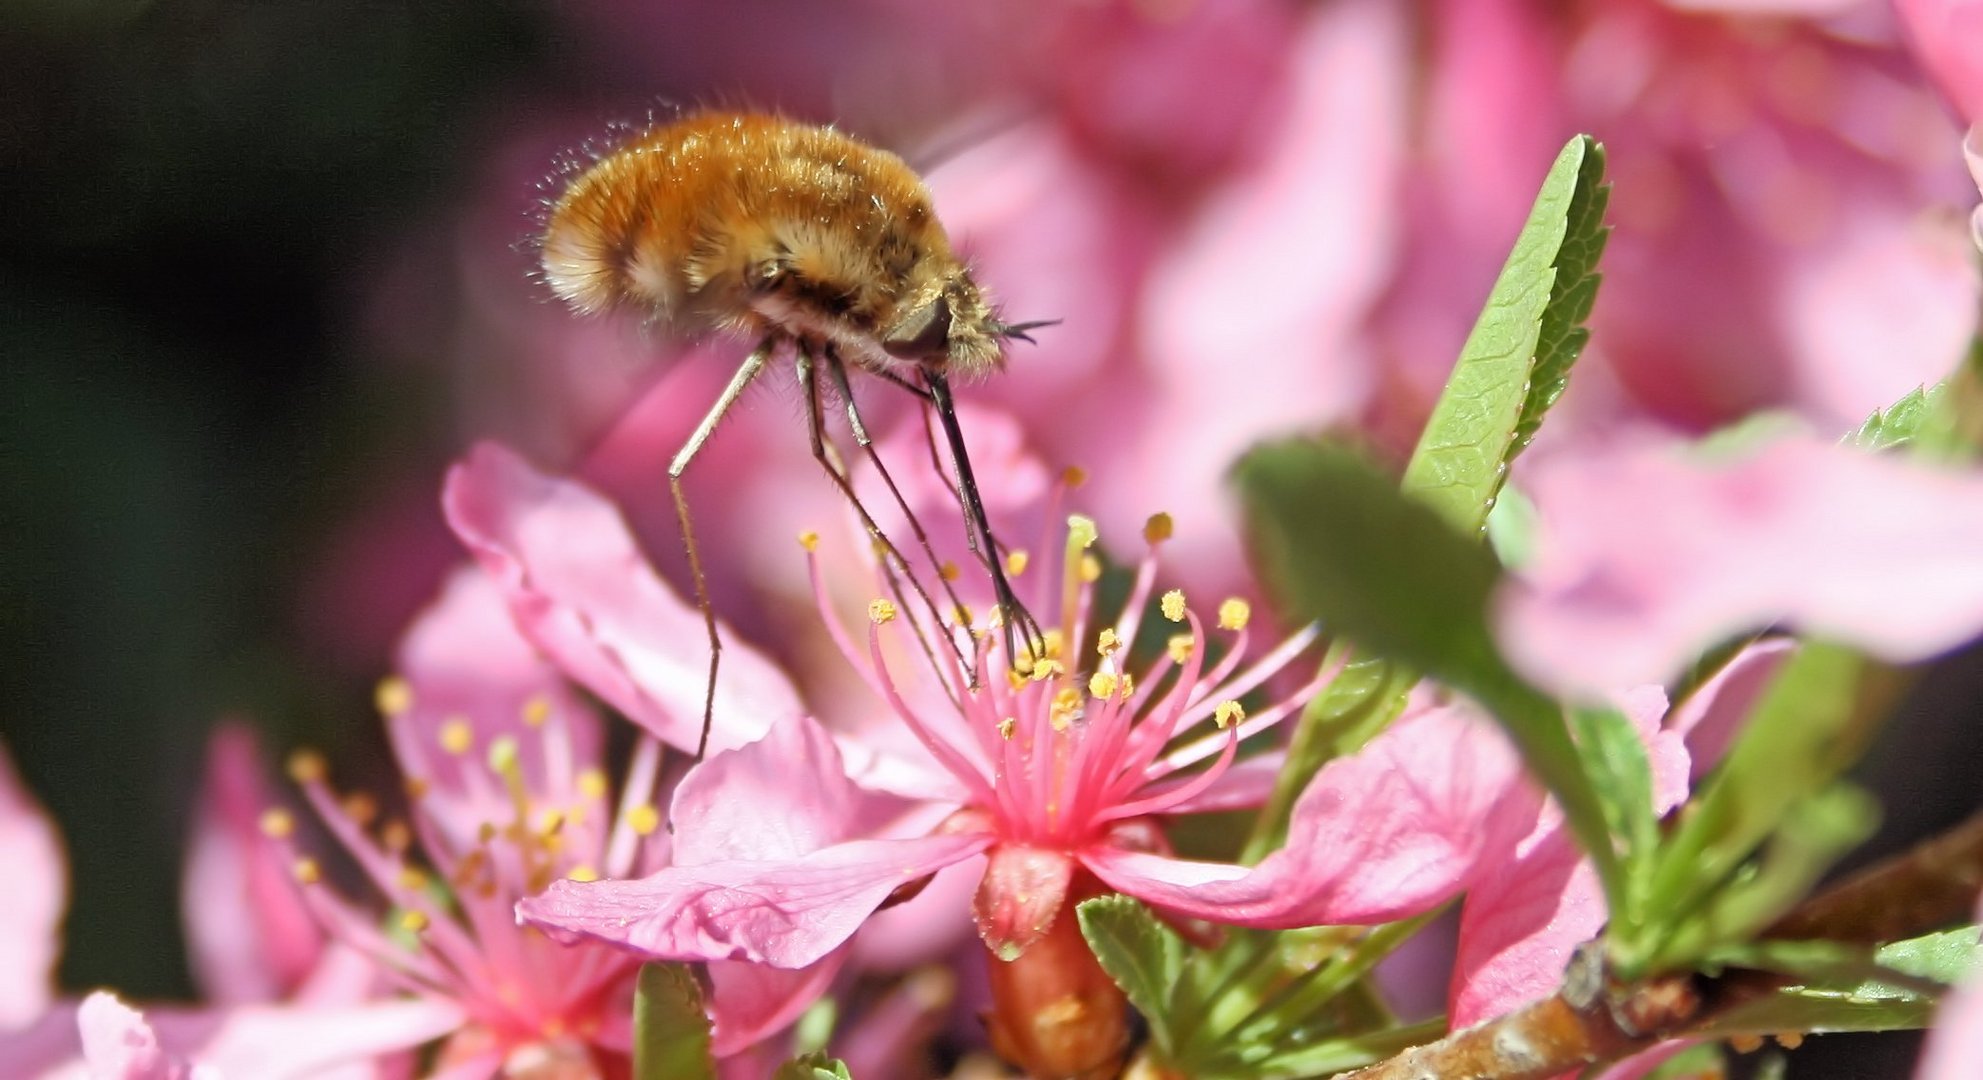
(976, 521)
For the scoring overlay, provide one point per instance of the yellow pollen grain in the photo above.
(413, 922)
(457, 736)
(1074, 476)
(1179, 647)
(1066, 705)
(1172, 605)
(277, 823)
(949, 571)
(1091, 569)
(809, 540)
(397, 836)
(485, 832)
(583, 872)
(1102, 684)
(360, 807)
(1128, 686)
(412, 879)
(1055, 641)
(1046, 669)
(962, 615)
(1015, 678)
(644, 819)
(502, 754)
(1015, 562)
(881, 611)
(307, 872)
(592, 784)
(393, 696)
(1227, 714)
(306, 767)
(416, 787)
(1081, 532)
(536, 711)
(1234, 613)
(1106, 642)
(1159, 528)
(553, 823)
(1746, 1044)
(1006, 727)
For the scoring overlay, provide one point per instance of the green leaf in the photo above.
(1616, 762)
(1518, 357)
(1340, 545)
(1897, 425)
(1846, 996)
(1142, 955)
(1815, 719)
(670, 1028)
(1328, 1056)
(812, 1067)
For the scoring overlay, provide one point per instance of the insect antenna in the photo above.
(977, 526)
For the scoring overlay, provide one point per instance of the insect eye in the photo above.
(925, 333)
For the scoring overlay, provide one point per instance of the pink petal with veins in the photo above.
(1388, 832)
(582, 592)
(786, 913)
(31, 905)
(1645, 558)
(782, 797)
(750, 1002)
(119, 1045)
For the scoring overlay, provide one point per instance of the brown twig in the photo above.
(1593, 1019)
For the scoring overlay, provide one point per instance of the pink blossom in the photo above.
(1067, 771)
(1645, 557)
(1945, 36)
(120, 1045)
(31, 908)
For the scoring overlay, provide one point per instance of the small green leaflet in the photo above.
(1896, 425)
(812, 1067)
(1517, 360)
(1880, 993)
(670, 1029)
(1142, 955)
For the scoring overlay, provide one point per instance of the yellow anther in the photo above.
(1158, 529)
(881, 611)
(644, 819)
(1102, 684)
(306, 767)
(412, 879)
(1789, 1040)
(1006, 727)
(485, 832)
(537, 710)
(1106, 642)
(1065, 707)
(592, 783)
(949, 571)
(306, 871)
(1091, 569)
(1074, 476)
(1227, 714)
(1015, 562)
(1179, 647)
(413, 922)
(360, 807)
(1046, 669)
(1233, 614)
(457, 735)
(1081, 532)
(809, 540)
(583, 872)
(416, 787)
(1172, 605)
(553, 822)
(1746, 1044)
(1016, 678)
(393, 696)
(396, 836)
(1128, 686)
(277, 823)
(1055, 641)
(962, 615)
(502, 753)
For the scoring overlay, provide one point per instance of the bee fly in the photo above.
(791, 234)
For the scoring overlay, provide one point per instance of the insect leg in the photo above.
(891, 555)
(977, 526)
(752, 365)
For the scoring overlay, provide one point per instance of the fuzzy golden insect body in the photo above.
(727, 221)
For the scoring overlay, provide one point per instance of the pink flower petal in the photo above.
(752, 1002)
(782, 797)
(1021, 892)
(1393, 830)
(31, 905)
(786, 913)
(580, 589)
(1713, 714)
(119, 1045)
(1646, 558)
(250, 937)
(284, 1040)
(1944, 34)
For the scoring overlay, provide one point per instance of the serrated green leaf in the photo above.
(1341, 546)
(1142, 955)
(1897, 425)
(670, 1028)
(1518, 356)
(814, 1066)
(1326, 1057)
(1813, 721)
(1952, 428)
(1845, 997)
